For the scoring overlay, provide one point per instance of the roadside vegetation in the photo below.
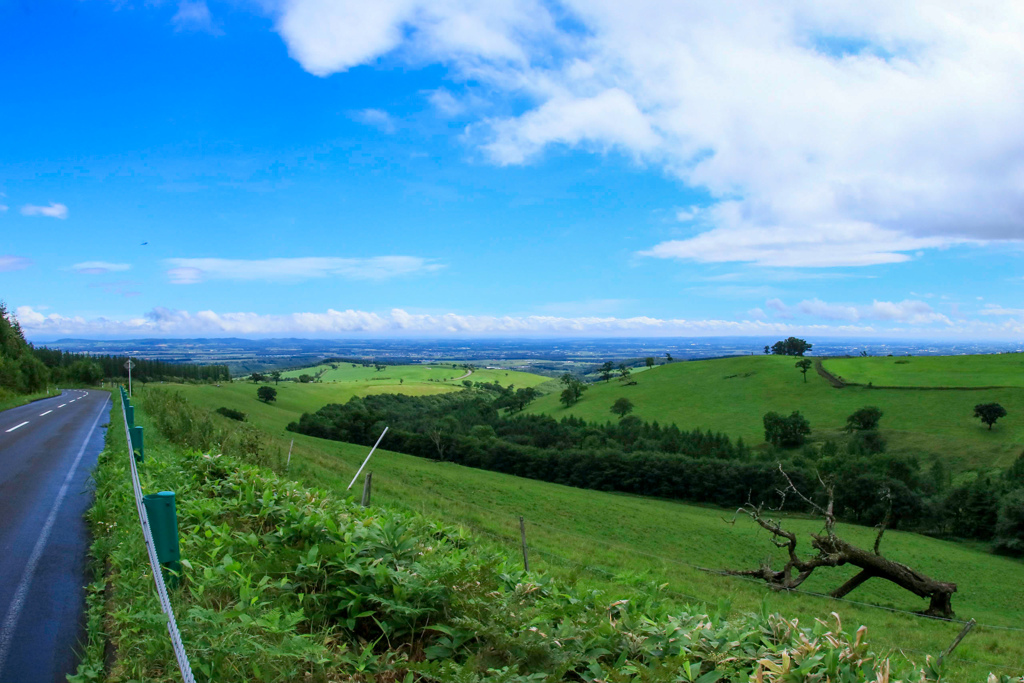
(281, 582)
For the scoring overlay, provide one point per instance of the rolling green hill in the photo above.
(609, 539)
(731, 395)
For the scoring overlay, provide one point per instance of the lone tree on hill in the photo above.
(804, 364)
(607, 369)
(649, 361)
(789, 347)
(833, 551)
(256, 377)
(668, 357)
(989, 413)
(864, 419)
(625, 375)
(276, 375)
(786, 432)
(267, 394)
(622, 407)
(574, 389)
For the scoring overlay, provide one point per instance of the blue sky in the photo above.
(325, 169)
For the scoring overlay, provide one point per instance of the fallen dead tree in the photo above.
(833, 551)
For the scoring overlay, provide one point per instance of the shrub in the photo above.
(864, 419)
(786, 432)
(232, 413)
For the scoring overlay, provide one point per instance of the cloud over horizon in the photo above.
(845, 134)
(911, 319)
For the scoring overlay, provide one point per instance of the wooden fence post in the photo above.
(963, 632)
(522, 535)
(367, 483)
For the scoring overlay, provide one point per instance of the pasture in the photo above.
(731, 396)
(611, 539)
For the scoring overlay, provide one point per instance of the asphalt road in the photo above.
(47, 451)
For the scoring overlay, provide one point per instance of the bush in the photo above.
(786, 432)
(1009, 538)
(864, 419)
(232, 413)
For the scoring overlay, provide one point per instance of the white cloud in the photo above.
(9, 263)
(378, 118)
(328, 36)
(907, 311)
(445, 102)
(99, 267)
(995, 309)
(835, 245)
(194, 15)
(193, 270)
(687, 214)
(3, 208)
(827, 134)
(608, 120)
(398, 322)
(52, 211)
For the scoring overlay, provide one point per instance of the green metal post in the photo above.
(129, 411)
(137, 449)
(163, 523)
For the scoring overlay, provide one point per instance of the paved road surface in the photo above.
(47, 450)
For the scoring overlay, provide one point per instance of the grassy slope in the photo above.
(623, 534)
(731, 395)
(1003, 370)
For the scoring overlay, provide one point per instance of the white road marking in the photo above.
(62, 405)
(11, 621)
(16, 426)
(46, 413)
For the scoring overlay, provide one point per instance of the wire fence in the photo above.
(154, 562)
(568, 562)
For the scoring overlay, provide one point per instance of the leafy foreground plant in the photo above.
(285, 583)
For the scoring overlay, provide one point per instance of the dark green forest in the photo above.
(629, 455)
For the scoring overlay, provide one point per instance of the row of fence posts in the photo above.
(161, 510)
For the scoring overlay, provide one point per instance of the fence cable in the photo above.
(154, 562)
(611, 574)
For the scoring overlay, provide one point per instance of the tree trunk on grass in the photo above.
(833, 551)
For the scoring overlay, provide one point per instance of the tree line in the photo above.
(476, 428)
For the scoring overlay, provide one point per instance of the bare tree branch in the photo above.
(833, 551)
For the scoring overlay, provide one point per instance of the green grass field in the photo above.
(633, 537)
(401, 375)
(731, 396)
(1002, 370)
